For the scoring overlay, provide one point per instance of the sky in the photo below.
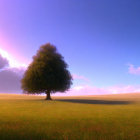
(99, 40)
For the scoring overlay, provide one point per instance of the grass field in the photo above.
(110, 117)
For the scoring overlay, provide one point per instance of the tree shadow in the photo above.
(84, 101)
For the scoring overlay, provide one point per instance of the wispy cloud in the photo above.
(124, 89)
(93, 90)
(79, 77)
(133, 70)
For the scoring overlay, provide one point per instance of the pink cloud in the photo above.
(133, 70)
(92, 90)
(79, 77)
(124, 89)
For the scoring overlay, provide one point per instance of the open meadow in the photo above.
(110, 117)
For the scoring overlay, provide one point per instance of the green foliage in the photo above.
(47, 73)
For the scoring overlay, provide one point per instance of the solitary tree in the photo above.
(47, 73)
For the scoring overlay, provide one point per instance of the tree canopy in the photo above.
(47, 73)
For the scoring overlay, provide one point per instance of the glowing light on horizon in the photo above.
(12, 62)
(78, 88)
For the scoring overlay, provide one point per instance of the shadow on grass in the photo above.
(82, 101)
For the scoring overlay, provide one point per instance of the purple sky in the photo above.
(99, 39)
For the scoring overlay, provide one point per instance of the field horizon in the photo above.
(96, 117)
(65, 95)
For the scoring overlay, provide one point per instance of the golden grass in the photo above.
(104, 117)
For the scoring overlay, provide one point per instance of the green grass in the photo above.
(112, 117)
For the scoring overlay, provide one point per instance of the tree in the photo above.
(47, 73)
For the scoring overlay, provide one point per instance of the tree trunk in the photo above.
(48, 95)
